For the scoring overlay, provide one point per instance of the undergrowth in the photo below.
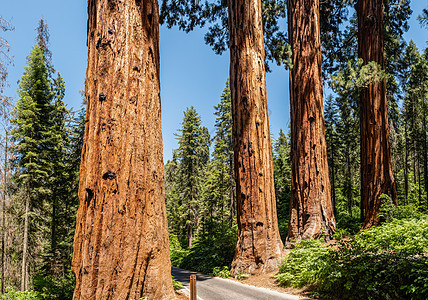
(386, 262)
(211, 253)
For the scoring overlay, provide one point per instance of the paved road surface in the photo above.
(212, 288)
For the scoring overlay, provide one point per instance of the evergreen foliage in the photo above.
(282, 178)
(381, 263)
(219, 192)
(47, 143)
(184, 198)
(187, 15)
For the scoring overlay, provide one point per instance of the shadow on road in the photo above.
(184, 276)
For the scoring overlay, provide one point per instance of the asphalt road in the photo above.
(212, 288)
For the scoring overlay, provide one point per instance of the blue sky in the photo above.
(191, 74)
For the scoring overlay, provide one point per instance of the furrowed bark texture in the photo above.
(121, 242)
(311, 211)
(259, 244)
(376, 165)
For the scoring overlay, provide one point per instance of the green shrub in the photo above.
(11, 294)
(351, 225)
(240, 276)
(405, 237)
(177, 253)
(223, 273)
(176, 284)
(55, 288)
(212, 250)
(303, 264)
(387, 262)
(352, 274)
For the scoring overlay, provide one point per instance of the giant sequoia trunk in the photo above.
(376, 166)
(121, 242)
(311, 211)
(259, 244)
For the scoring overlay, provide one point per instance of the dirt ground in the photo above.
(181, 296)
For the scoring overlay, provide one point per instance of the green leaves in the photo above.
(385, 262)
(357, 75)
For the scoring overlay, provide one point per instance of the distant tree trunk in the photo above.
(3, 215)
(376, 177)
(425, 150)
(311, 211)
(419, 183)
(333, 184)
(24, 266)
(231, 192)
(53, 231)
(406, 162)
(121, 242)
(259, 244)
(348, 183)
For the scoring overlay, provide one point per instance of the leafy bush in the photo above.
(405, 237)
(351, 225)
(302, 266)
(223, 273)
(240, 276)
(176, 251)
(176, 284)
(353, 274)
(211, 250)
(386, 262)
(55, 288)
(389, 211)
(11, 294)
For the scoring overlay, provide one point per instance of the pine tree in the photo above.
(192, 156)
(222, 174)
(333, 146)
(282, 177)
(414, 82)
(32, 135)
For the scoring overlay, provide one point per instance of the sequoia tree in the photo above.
(311, 212)
(259, 244)
(376, 167)
(121, 241)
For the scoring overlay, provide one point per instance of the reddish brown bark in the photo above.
(311, 211)
(121, 242)
(376, 165)
(259, 244)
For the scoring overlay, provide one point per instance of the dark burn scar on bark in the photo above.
(89, 196)
(102, 97)
(109, 175)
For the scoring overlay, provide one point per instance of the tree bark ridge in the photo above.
(311, 212)
(376, 165)
(259, 244)
(121, 248)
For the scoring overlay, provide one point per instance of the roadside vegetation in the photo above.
(386, 262)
